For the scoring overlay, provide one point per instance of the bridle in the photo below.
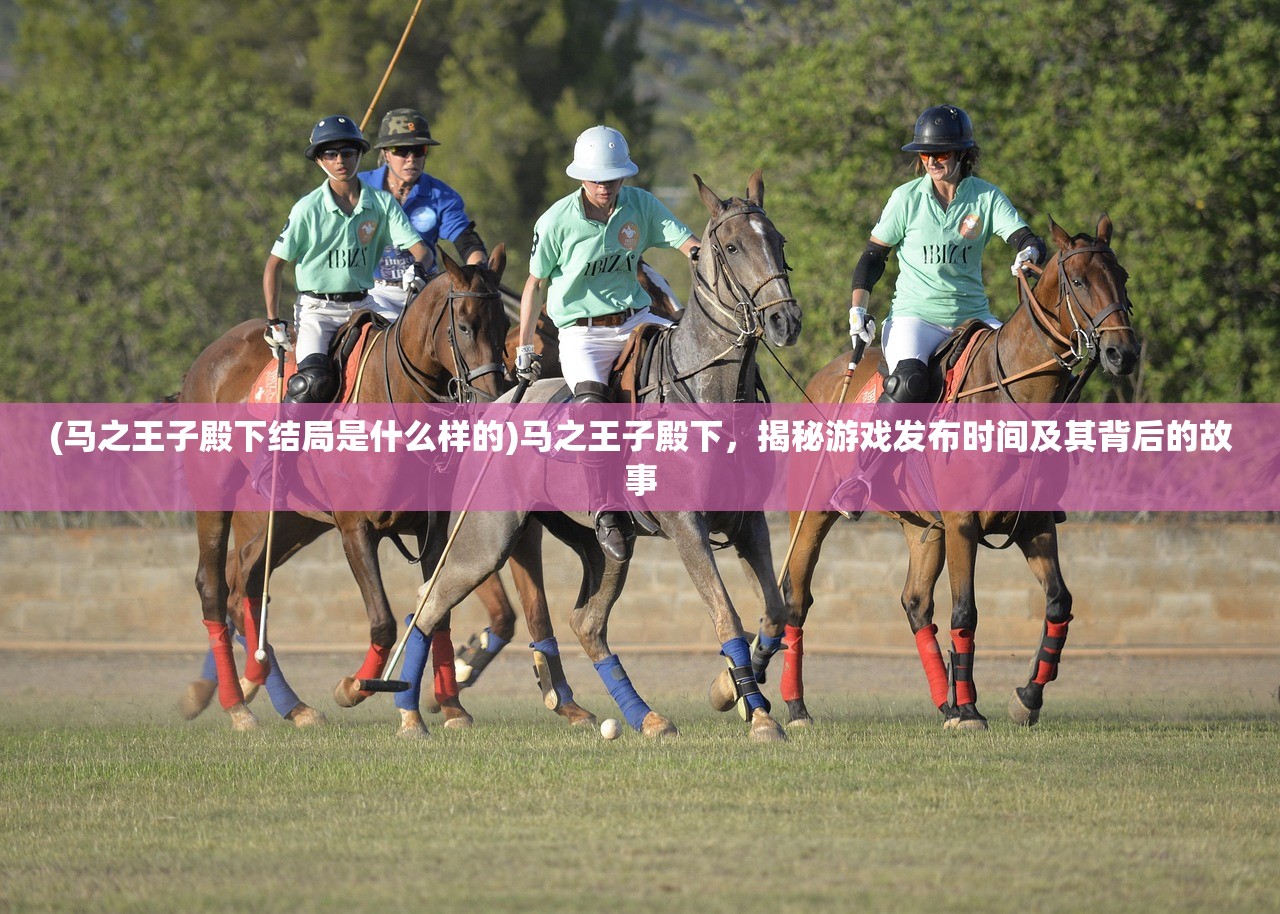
(460, 386)
(1075, 353)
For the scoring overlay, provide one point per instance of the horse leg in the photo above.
(361, 548)
(213, 530)
(961, 554)
(526, 571)
(689, 531)
(602, 581)
(797, 595)
(926, 555)
(483, 646)
(1041, 551)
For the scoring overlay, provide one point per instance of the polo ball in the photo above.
(610, 728)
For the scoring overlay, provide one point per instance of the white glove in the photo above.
(528, 364)
(861, 325)
(414, 278)
(1026, 255)
(277, 336)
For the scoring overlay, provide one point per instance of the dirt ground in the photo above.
(126, 686)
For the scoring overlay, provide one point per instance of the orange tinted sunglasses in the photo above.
(937, 156)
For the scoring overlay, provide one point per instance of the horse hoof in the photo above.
(655, 725)
(965, 717)
(463, 722)
(1021, 714)
(250, 690)
(723, 695)
(764, 729)
(346, 694)
(196, 698)
(242, 718)
(798, 714)
(577, 715)
(411, 726)
(304, 716)
(800, 723)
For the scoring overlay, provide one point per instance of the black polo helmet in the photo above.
(940, 129)
(334, 129)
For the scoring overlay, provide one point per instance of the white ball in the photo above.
(260, 655)
(610, 728)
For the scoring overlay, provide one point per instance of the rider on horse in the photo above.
(334, 234)
(587, 247)
(938, 224)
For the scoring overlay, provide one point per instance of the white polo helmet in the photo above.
(601, 154)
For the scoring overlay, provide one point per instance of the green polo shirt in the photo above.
(591, 265)
(940, 251)
(334, 252)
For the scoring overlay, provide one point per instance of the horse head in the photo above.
(1093, 304)
(742, 268)
(467, 326)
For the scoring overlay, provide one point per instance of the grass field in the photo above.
(1150, 785)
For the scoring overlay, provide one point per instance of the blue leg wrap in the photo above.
(769, 644)
(493, 643)
(414, 668)
(622, 691)
(551, 647)
(739, 654)
(209, 670)
(283, 698)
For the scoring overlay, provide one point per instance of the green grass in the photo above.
(1133, 804)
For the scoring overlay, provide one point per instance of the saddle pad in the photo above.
(263, 390)
(959, 366)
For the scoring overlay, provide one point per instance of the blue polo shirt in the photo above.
(435, 210)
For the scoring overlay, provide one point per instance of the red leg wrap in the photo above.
(374, 663)
(931, 659)
(1055, 636)
(962, 644)
(253, 670)
(792, 684)
(446, 680)
(229, 692)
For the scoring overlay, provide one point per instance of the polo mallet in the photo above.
(260, 654)
(385, 684)
(858, 349)
(391, 66)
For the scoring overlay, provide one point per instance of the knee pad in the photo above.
(909, 383)
(592, 392)
(314, 382)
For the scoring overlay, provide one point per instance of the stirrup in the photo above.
(851, 497)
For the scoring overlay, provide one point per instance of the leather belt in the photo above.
(337, 296)
(617, 319)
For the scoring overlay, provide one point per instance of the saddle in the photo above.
(631, 367)
(947, 366)
(345, 350)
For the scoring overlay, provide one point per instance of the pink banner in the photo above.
(176, 457)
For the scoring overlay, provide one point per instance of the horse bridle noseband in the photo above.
(461, 387)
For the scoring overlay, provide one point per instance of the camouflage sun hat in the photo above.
(404, 127)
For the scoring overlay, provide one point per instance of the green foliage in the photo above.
(1162, 113)
(155, 150)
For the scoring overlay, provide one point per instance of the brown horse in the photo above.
(447, 345)
(1080, 299)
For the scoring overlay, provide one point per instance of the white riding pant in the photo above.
(388, 300)
(588, 353)
(316, 320)
(914, 338)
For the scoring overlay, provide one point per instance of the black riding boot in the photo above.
(314, 382)
(615, 531)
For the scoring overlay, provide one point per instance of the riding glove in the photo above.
(861, 325)
(414, 278)
(1026, 255)
(528, 364)
(277, 336)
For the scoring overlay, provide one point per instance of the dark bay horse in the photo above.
(740, 294)
(448, 345)
(1076, 318)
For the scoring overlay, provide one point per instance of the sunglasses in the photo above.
(345, 152)
(937, 156)
(404, 152)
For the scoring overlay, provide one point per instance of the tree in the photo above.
(1163, 113)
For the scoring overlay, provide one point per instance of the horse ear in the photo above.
(498, 259)
(1104, 229)
(1060, 238)
(451, 266)
(709, 197)
(755, 188)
